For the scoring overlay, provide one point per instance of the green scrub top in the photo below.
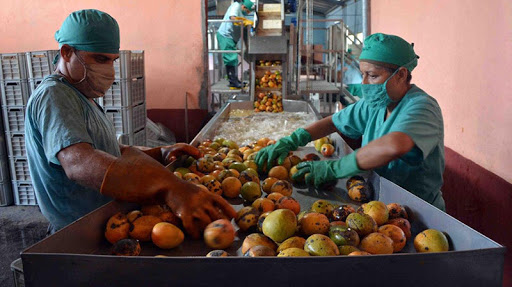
(58, 116)
(418, 115)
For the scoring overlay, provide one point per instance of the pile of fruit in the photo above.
(271, 216)
(270, 80)
(265, 63)
(268, 102)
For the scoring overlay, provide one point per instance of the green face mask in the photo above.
(376, 95)
(244, 13)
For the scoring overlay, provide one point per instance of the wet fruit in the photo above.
(361, 192)
(404, 224)
(311, 157)
(231, 187)
(363, 224)
(266, 185)
(219, 234)
(377, 210)
(287, 202)
(250, 191)
(327, 150)
(247, 218)
(340, 213)
(292, 252)
(214, 186)
(314, 223)
(322, 206)
(431, 240)
(377, 243)
(321, 245)
(347, 249)
(280, 225)
(342, 235)
(292, 242)
(263, 205)
(396, 210)
(260, 250)
(396, 234)
(166, 235)
(255, 239)
(283, 187)
(354, 180)
(274, 196)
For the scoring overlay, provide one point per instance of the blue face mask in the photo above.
(376, 95)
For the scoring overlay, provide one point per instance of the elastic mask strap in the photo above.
(83, 65)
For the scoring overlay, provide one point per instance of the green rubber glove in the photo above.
(279, 150)
(324, 171)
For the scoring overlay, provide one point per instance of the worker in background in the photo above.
(228, 36)
(401, 127)
(74, 159)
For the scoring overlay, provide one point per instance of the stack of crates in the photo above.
(125, 102)
(15, 93)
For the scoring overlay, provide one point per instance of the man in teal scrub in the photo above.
(75, 162)
(228, 36)
(401, 126)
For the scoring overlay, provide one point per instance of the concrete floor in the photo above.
(20, 227)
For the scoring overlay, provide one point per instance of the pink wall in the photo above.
(466, 55)
(170, 32)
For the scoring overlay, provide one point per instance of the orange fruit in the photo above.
(287, 202)
(263, 205)
(314, 223)
(377, 243)
(166, 235)
(283, 187)
(327, 150)
(117, 228)
(396, 234)
(143, 226)
(279, 172)
(267, 184)
(219, 234)
(231, 187)
(431, 240)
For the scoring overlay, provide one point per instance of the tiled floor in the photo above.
(20, 227)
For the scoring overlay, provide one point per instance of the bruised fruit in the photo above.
(166, 235)
(260, 250)
(342, 235)
(224, 174)
(363, 224)
(192, 177)
(396, 210)
(274, 196)
(292, 242)
(214, 186)
(249, 175)
(314, 223)
(431, 240)
(205, 164)
(134, 214)
(231, 187)
(261, 219)
(291, 161)
(266, 185)
(361, 192)
(247, 218)
(340, 213)
(354, 180)
(327, 150)
(280, 225)
(263, 205)
(321, 245)
(283, 187)
(292, 252)
(287, 202)
(126, 247)
(396, 234)
(217, 253)
(219, 234)
(322, 206)
(377, 210)
(377, 243)
(404, 224)
(257, 239)
(143, 226)
(118, 227)
(311, 157)
(250, 191)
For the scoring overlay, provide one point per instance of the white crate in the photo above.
(139, 138)
(16, 144)
(14, 93)
(125, 93)
(19, 169)
(127, 120)
(129, 65)
(6, 193)
(39, 64)
(14, 119)
(4, 170)
(33, 84)
(13, 66)
(24, 193)
(139, 117)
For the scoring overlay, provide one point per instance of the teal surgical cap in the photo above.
(90, 30)
(248, 4)
(389, 49)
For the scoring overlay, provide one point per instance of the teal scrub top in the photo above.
(58, 116)
(228, 29)
(418, 115)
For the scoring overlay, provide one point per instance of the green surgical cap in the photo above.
(389, 49)
(248, 4)
(90, 30)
